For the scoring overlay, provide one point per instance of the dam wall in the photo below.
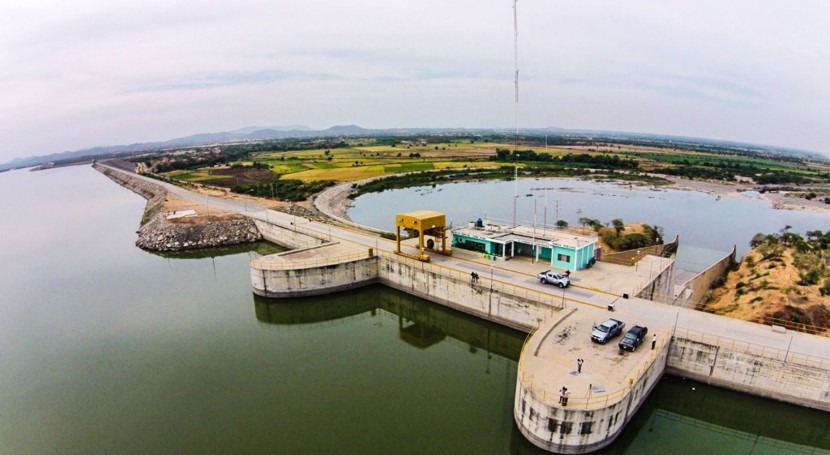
(513, 306)
(757, 370)
(659, 284)
(694, 292)
(327, 268)
(280, 276)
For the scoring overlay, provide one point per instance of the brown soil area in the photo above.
(764, 289)
(779, 200)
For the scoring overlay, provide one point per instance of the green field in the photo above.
(356, 159)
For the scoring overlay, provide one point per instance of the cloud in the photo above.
(94, 72)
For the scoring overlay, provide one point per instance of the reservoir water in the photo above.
(105, 348)
(703, 221)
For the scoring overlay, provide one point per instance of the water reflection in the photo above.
(683, 416)
(420, 323)
(679, 417)
(692, 405)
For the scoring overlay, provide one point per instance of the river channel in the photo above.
(105, 348)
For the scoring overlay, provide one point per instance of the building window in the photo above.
(586, 428)
(565, 427)
(471, 245)
(563, 258)
(552, 424)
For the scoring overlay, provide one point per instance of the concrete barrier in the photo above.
(486, 299)
(694, 292)
(289, 236)
(299, 281)
(762, 372)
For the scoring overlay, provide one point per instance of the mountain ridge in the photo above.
(261, 133)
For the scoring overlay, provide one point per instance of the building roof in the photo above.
(419, 219)
(527, 234)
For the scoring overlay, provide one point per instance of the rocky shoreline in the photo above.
(157, 233)
(160, 234)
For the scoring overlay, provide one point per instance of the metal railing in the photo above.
(291, 226)
(492, 284)
(631, 257)
(797, 326)
(281, 262)
(744, 347)
(591, 399)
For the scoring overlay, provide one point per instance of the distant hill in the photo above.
(258, 133)
(242, 134)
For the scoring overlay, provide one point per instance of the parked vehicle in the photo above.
(607, 330)
(633, 338)
(559, 279)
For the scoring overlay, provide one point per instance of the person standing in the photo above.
(579, 365)
(653, 341)
(563, 396)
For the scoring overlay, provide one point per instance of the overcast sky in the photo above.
(81, 73)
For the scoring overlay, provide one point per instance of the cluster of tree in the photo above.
(285, 190)
(244, 150)
(777, 178)
(573, 160)
(616, 239)
(719, 170)
(193, 159)
(414, 179)
(600, 161)
(809, 254)
(619, 241)
(253, 165)
(812, 195)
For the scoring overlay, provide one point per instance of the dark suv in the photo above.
(633, 338)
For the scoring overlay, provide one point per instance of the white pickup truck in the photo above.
(607, 330)
(559, 279)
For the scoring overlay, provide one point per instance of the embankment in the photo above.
(157, 233)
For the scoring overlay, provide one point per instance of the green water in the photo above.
(105, 348)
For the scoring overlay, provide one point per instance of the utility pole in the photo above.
(515, 192)
(556, 201)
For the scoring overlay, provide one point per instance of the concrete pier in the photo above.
(312, 271)
(602, 393)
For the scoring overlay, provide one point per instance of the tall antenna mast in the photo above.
(516, 110)
(516, 67)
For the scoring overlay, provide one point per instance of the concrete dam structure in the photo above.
(605, 386)
(605, 392)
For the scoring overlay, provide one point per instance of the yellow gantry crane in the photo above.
(429, 225)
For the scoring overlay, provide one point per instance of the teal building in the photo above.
(562, 248)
